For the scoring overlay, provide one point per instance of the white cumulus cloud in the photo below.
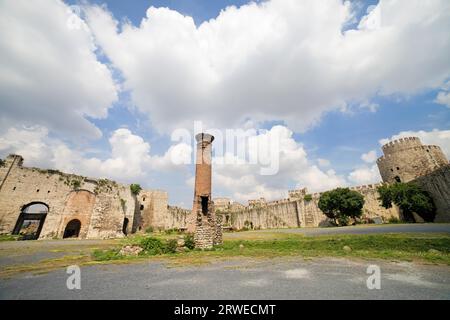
(129, 159)
(244, 181)
(370, 156)
(365, 175)
(275, 60)
(49, 72)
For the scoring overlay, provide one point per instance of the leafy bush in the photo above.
(410, 198)
(341, 204)
(189, 241)
(152, 246)
(171, 246)
(343, 221)
(135, 188)
(308, 197)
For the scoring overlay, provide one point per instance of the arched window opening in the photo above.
(397, 179)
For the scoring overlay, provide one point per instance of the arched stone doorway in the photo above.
(72, 229)
(125, 226)
(79, 206)
(31, 220)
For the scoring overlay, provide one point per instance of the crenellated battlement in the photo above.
(424, 148)
(257, 202)
(297, 193)
(368, 187)
(401, 144)
(407, 158)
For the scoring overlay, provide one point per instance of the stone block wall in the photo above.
(298, 212)
(100, 205)
(278, 215)
(177, 218)
(153, 205)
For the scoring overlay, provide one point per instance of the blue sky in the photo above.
(226, 71)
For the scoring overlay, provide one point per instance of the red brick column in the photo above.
(202, 221)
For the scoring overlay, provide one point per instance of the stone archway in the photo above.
(79, 206)
(72, 229)
(31, 220)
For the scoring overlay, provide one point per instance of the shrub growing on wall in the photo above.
(76, 184)
(410, 198)
(135, 188)
(341, 204)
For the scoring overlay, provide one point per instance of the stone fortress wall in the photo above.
(106, 209)
(300, 210)
(404, 160)
(101, 206)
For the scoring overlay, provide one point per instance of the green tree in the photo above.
(410, 198)
(341, 204)
(135, 188)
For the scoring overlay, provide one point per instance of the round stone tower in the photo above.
(406, 159)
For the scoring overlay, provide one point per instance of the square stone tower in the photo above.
(207, 229)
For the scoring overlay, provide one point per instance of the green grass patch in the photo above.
(431, 248)
(106, 255)
(8, 237)
(392, 246)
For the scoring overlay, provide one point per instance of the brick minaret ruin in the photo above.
(207, 230)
